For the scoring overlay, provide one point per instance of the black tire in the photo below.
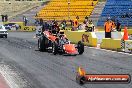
(1, 36)
(80, 47)
(82, 81)
(5, 36)
(55, 48)
(42, 44)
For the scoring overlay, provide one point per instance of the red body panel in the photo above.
(70, 49)
(49, 36)
(47, 33)
(52, 38)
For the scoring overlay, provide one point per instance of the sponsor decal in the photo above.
(29, 28)
(12, 26)
(85, 38)
(26, 28)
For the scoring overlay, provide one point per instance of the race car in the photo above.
(59, 44)
(3, 31)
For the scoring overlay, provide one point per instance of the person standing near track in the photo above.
(118, 26)
(108, 28)
(6, 18)
(90, 26)
(41, 21)
(75, 23)
(25, 20)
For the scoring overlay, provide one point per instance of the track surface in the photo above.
(23, 66)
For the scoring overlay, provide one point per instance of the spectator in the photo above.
(90, 26)
(71, 22)
(64, 21)
(36, 20)
(86, 19)
(118, 26)
(46, 25)
(25, 20)
(113, 25)
(50, 25)
(92, 4)
(41, 22)
(6, 18)
(36, 15)
(56, 27)
(2, 16)
(127, 15)
(77, 17)
(75, 23)
(83, 26)
(63, 24)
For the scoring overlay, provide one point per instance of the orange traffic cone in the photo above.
(125, 36)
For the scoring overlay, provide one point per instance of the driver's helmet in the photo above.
(61, 36)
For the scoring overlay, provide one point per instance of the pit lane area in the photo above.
(23, 66)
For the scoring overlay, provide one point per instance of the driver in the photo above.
(63, 40)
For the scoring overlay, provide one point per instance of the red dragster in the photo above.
(58, 43)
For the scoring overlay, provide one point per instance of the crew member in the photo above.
(75, 23)
(90, 26)
(108, 28)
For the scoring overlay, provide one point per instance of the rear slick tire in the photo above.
(41, 44)
(80, 47)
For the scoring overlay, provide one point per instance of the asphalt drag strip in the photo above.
(23, 66)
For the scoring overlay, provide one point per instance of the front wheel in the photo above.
(5, 36)
(41, 44)
(55, 48)
(80, 80)
(80, 47)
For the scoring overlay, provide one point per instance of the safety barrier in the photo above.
(115, 44)
(128, 46)
(18, 26)
(112, 44)
(13, 25)
(28, 28)
(101, 34)
(88, 38)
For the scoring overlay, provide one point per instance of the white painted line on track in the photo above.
(109, 50)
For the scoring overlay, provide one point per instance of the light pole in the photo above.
(69, 9)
